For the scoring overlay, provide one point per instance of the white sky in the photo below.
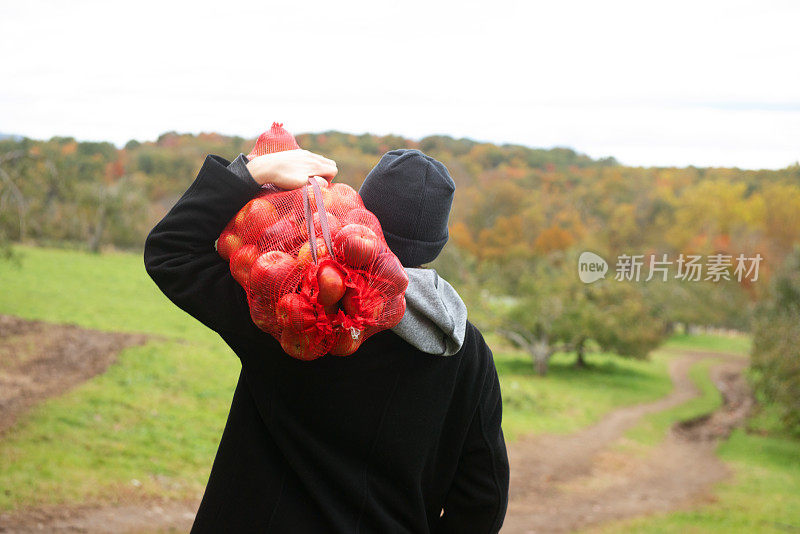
(712, 83)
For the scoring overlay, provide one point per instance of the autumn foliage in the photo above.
(515, 207)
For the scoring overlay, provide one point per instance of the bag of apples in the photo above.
(317, 271)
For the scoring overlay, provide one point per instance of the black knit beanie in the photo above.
(411, 194)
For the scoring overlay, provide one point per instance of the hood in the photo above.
(436, 318)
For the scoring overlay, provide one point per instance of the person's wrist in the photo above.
(259, 170)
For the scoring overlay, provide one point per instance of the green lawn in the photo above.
(570, 398)
(148, 426)
(107, 292)
(730, 344)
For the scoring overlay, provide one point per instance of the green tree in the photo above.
(776, 344)
(537, 316)
(550, 310)
(623, 321)
(617, 316)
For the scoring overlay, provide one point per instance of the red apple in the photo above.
(284, 235)
(241, 262)
(272, 271)
(356, 245)
(344, 192)
(350, 302)
(297, 344)
(333, 226)
(227, 244)
(363, 216)
(327, 195)
(389, 273)
(295, 311)
(260, 215)
(286, 204)
(341, 208)
(260, 316)
(367, 304)
(238, 220)
(331, 284)
(345, 345)
(304, 254)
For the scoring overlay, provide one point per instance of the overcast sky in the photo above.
(711, 83)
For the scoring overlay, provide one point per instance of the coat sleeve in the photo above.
(478, 496)
(179, 252)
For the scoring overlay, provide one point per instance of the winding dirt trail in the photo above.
(563, 483)
(558, 483)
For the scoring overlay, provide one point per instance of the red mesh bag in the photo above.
(276, 139)
(318, 273)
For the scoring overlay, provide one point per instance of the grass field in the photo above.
(731, 344)
(151, 424)
(569, 398)
(106, 292)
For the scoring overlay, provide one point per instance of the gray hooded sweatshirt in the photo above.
(436, 318)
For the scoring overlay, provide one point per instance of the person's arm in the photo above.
(478, 496)
(179, 252)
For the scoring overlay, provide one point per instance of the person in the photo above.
(402, 436)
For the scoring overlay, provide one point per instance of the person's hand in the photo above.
(290, 169)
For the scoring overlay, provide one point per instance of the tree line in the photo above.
(520, 219)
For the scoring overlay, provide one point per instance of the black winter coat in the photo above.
(387, 440)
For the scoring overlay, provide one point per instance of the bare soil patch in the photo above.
(40, 360)
(132, 518)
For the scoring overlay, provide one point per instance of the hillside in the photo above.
(516, 207)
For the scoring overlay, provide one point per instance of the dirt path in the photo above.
(40, 360)
(558, 483)
(562, 483)
(134, 518)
